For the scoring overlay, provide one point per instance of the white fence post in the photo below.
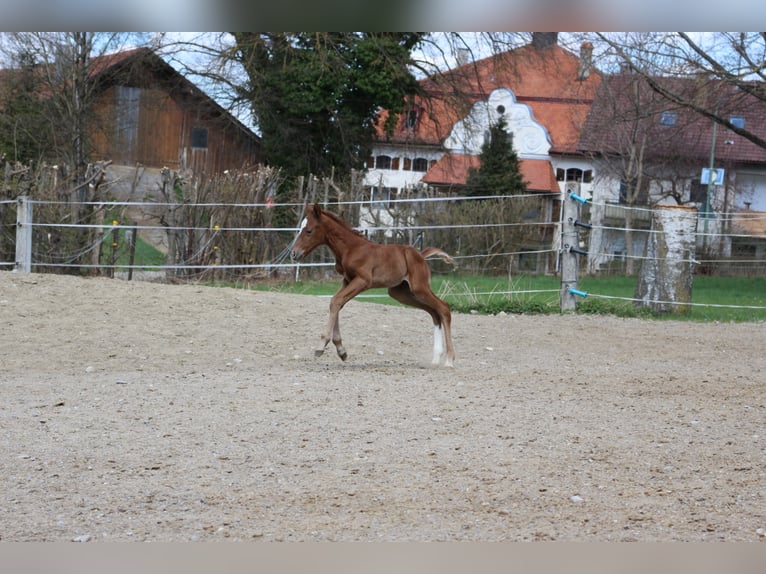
(23, 235)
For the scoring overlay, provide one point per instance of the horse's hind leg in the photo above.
(440, 311)
(403, 294)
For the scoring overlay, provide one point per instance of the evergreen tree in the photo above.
(24, 130)
(316, 96)
(500, 170)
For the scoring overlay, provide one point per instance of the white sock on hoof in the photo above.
(438, 344)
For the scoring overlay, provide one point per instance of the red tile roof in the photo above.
(452, 169)
(627, 109)
(545, 79)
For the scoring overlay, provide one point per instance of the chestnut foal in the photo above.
(366, 265)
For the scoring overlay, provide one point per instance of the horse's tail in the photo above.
(428, 251)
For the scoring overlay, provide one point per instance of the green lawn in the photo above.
(146, 255)
(713, 298)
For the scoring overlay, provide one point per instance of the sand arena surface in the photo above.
(145, 411)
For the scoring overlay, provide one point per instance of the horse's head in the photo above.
(310, 235)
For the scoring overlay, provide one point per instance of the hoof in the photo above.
(343, 355)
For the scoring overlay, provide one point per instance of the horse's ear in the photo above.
(317, 210)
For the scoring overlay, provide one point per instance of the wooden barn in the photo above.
(147, 113)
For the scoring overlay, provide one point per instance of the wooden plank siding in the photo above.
(148, 113)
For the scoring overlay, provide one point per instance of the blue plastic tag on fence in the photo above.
(579, 293)
(577, 198)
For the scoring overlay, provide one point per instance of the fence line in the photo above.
(658, 301)
(56, 260)
(269, 205)
(293, 229)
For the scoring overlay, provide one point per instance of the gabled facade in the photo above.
(543, 90)
(149, 114)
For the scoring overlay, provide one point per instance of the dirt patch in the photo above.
(145, 411)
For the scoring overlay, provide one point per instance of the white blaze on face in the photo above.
(300, 227)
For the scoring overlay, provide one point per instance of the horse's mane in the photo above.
(340, 221)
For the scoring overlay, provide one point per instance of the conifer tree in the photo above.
(500, 170)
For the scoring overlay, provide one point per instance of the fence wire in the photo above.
(207, 241)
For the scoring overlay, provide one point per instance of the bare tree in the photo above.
(65, 69)
(730, 68)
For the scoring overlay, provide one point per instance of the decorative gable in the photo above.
(530, 138)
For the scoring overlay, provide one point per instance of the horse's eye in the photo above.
(308, 231)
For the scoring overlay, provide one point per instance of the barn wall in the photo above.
(153, 127)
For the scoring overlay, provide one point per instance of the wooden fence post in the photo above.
(23, 235)
(569, 261)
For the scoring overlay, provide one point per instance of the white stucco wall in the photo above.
(751, 188)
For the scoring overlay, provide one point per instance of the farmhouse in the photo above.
(575, 130)
(543, 91)
(646, 151)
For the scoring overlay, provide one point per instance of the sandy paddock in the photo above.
(145, 411)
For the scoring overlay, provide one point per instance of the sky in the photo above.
(488, 15)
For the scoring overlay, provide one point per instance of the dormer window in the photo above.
(668, 118)
(737, 121)
(411, 120)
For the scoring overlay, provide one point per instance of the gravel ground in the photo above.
(146, 411)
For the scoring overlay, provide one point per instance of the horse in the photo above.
(363, 265)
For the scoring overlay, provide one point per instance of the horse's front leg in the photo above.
(332, 333)
(348, 291)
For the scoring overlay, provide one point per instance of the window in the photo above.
(411, 120)
(697, 191)
(639, 197)
(420, 164)
(737, 121)
(383, 162)
(668, 118)
(574, 174)
(199, 138)
(407, 164)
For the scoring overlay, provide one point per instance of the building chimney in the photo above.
(463, 56)
(542, 40)
(586, 61)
